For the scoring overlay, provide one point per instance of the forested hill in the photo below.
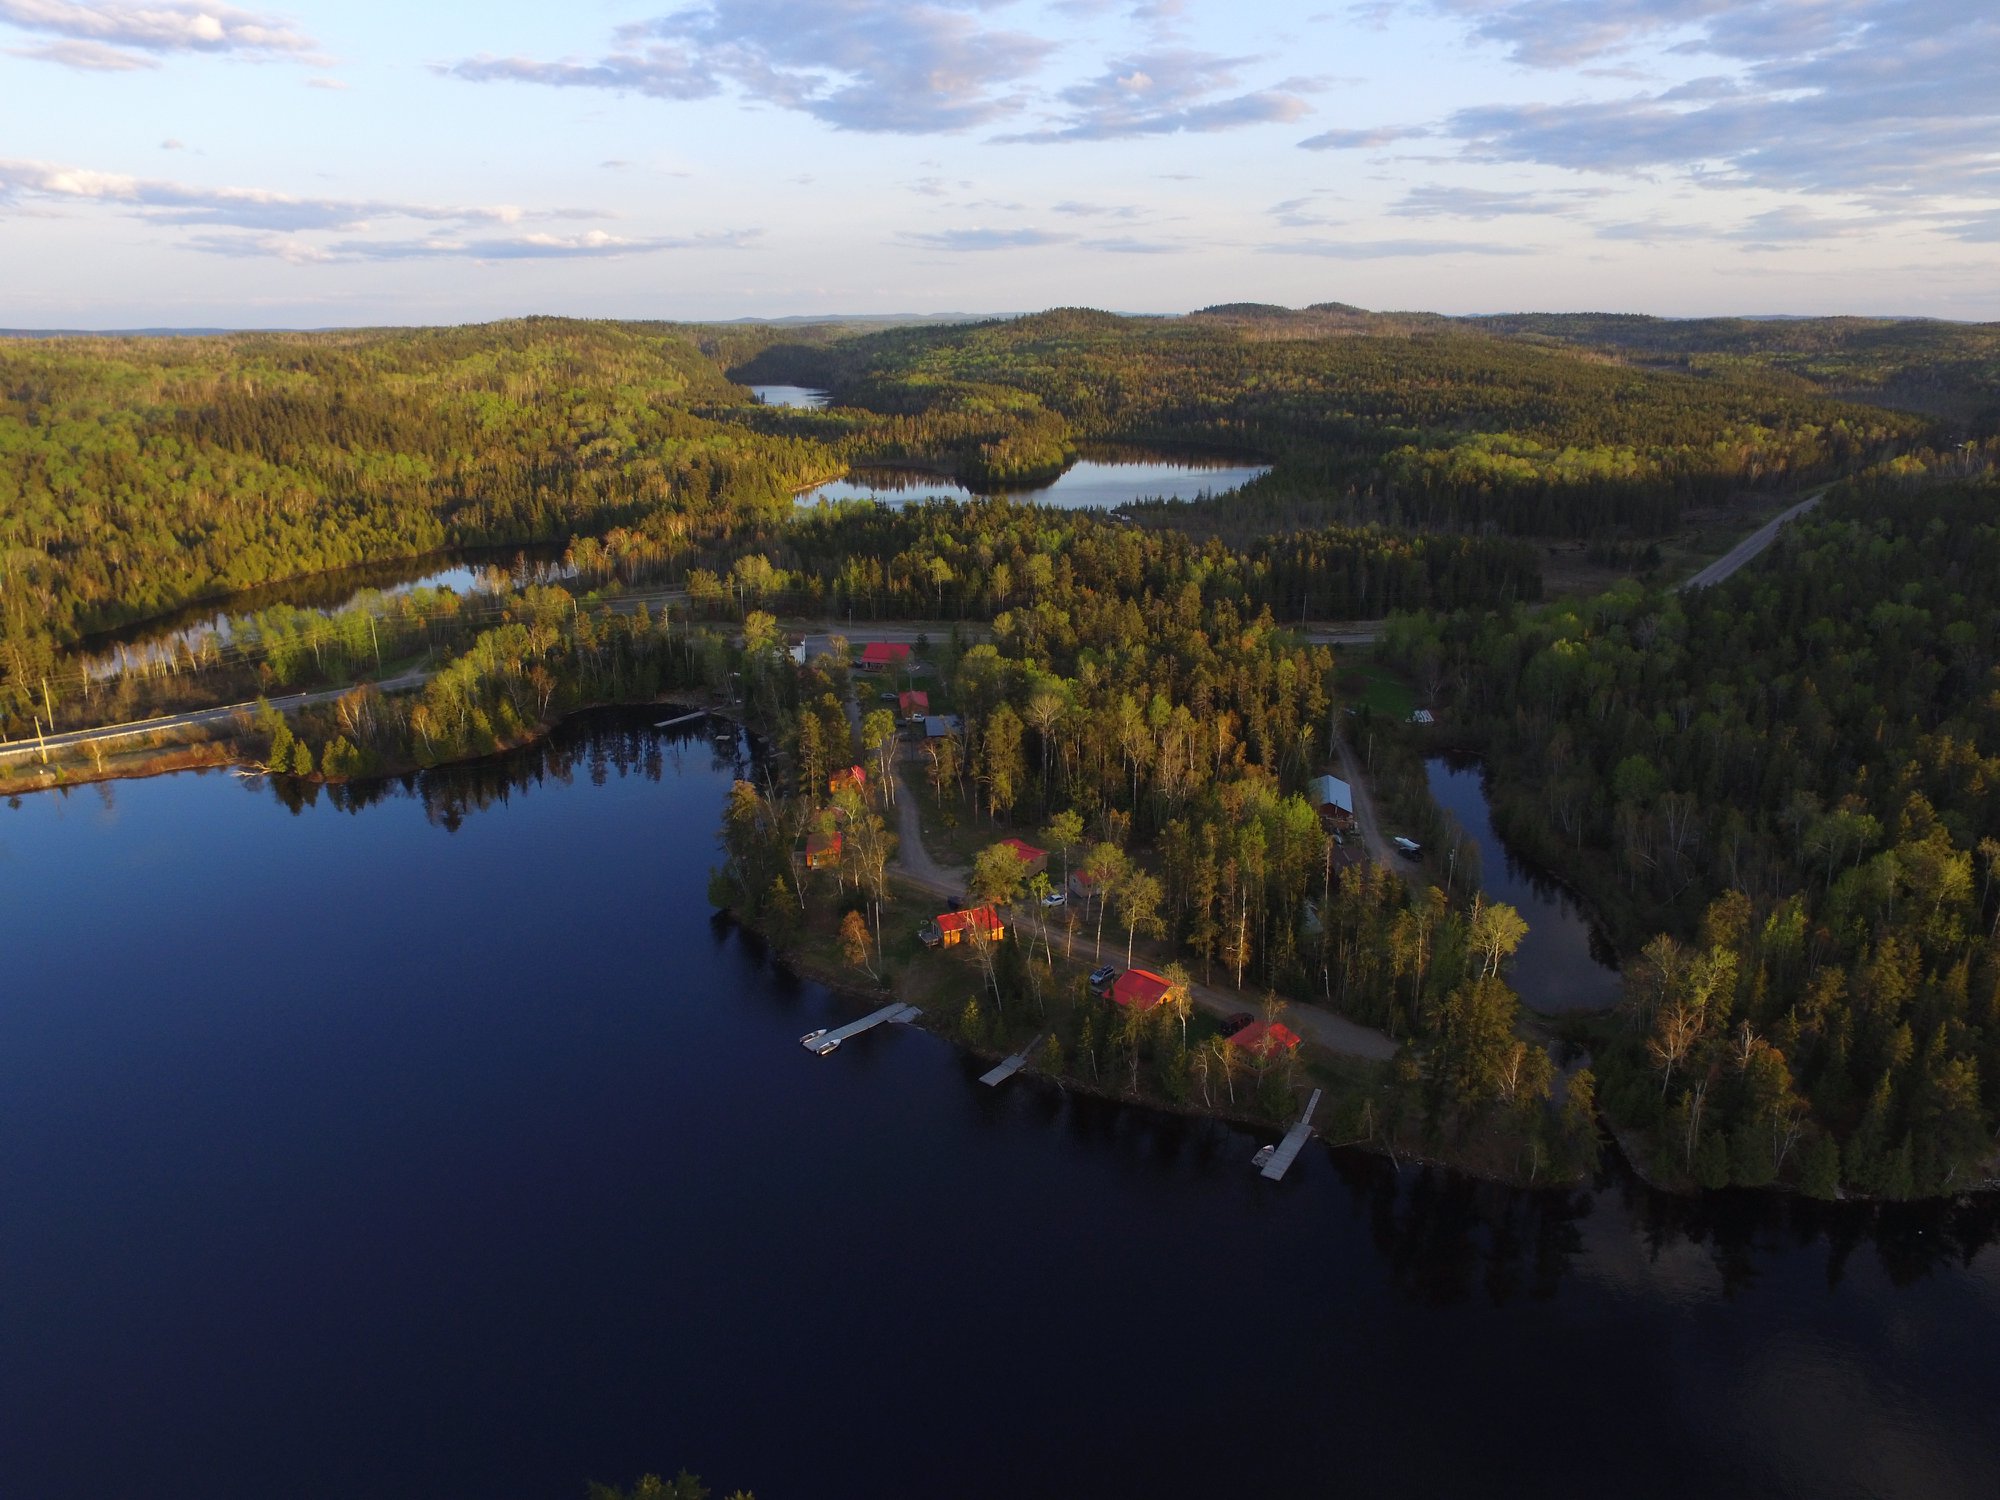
(139, 474)
(1794, 780)
(1950, 370)
(1405, 420)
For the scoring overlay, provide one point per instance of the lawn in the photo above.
(1365, 681)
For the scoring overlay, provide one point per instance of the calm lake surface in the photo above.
(1088, 484)
(790, 395)
(1564, 963)
(443, 1143)
(112, 651)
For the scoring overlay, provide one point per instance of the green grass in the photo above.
(1365, 681)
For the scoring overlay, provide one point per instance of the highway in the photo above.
(1751, 546)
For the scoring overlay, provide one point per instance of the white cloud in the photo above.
(864, 65)
(1167, 91)
(119, 37)
(259, 223)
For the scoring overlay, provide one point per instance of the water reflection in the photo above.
(1565, 963)
(402, 1110)
(803, 396)
(1106, 479)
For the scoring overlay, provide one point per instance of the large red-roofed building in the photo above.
(958, 925)
(883, 656)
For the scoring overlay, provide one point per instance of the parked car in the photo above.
(1101, 977)
(930, 934)
(1056, 898)
(1233, 1024)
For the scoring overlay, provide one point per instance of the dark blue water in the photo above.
(1564, 963)
(445, 1145)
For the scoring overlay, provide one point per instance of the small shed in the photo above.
(1141, 988)
(1266, 1039)
(914, 703)
(822, 850)
(1082, 886)
(1033, 860)
(853, 776)
(957, 925)
(938, 726)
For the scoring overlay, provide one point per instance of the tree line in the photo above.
(1784, 792)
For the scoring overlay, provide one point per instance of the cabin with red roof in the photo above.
(884, 656)
(1140, 987)
(1033, 860)
(913, 704)
(822, 850)
(957, 925)
(1266, 1039)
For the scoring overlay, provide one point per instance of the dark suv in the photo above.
(1101, 978)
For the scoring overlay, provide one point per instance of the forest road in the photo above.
(201, 716)
(1751, 546)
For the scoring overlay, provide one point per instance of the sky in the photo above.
(317, 164)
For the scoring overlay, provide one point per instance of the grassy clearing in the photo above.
(1364, 681)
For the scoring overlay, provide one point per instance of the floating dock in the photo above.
(701, 713)
(1012, 1065)
(1294, 1142)
(897, 1012)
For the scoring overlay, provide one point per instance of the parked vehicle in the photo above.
(930, 934)
(1056, 898)
(1099, 978)
(1233, 1024)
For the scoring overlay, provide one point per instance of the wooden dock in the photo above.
(1294, 1142)
(826, 1043)
(1012, 1065)
(700, 713)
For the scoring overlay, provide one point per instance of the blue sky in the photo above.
(317, 164)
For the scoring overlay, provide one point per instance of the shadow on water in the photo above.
(1565, 963)
(435, 1136)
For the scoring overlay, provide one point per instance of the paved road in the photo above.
(1751, 546)
(200, 716)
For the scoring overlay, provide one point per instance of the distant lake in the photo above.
(109, 652)
(790, 395)
(1564, 963)
(436, 1139)
(1097, 483)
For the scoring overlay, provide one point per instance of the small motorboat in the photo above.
(1263, 1157)
(812, 1042)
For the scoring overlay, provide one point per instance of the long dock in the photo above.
(1012, 1065)
(825, 1044)
(700, 713)
(1294, 1142)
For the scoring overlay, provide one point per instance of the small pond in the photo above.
(1107, 479)
(1565, 963)
(790, 395)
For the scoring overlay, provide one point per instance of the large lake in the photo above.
(445, 1144)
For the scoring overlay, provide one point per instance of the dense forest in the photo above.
(139, 474)
(1784, 792)
(1157, 733)
(1428, 424)
(1950, 369)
